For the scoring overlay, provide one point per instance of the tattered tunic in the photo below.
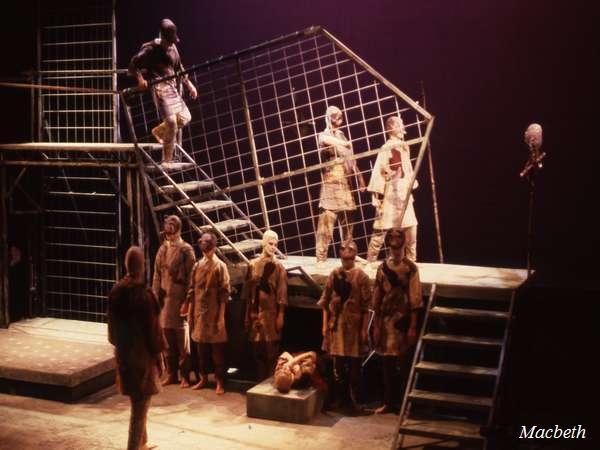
(395, 158)
(336, 193)
(134, 330)
(397, 293)
(160, 62)
(172, 268)
(208, 290)
(346, 297)
(264, 290)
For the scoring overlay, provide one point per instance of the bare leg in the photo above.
(169, 137)
(138, 435)
(375, 245)
(411, 242)
(324, 233)
(218, 357)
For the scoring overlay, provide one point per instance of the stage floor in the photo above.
(181, 418)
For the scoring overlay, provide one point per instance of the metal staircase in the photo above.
(185, 189)
(452, 389)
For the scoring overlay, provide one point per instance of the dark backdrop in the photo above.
(489, 69)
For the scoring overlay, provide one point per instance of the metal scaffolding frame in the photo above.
(255, 128)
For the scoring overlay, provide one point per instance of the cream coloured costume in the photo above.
(392, 184)
(336, 201)
(208, 290)
(172, 267)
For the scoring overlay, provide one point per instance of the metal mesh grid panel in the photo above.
(82, 211)
(76, 50)
(256, 123)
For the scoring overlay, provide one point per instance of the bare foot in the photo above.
(169, 380)
(383, 409)
(220, 389)
(148, 446)
(200, 384)
(184, 384)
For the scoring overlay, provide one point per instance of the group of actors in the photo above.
(176, 328)
(156, 330)
(390, 179)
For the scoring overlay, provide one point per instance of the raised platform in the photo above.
(451, 280)
(56, 359)
(263, 401)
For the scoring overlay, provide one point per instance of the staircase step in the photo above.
(468, 313)
(187, 186)
(244, 246)
(441, 429)
(452, 339)
(448, 399)
(456, 369)
(227, 225)
(210, 205)
(170, 167)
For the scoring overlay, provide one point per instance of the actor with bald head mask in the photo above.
(172, 267)
(134, 330)
(336, 201)
(345, 302)
(265, 293)
(205, 307)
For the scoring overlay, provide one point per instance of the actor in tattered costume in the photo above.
(294, 371)
(336, 200)
(172, 267)
(160, 58)
(389, 187)
(205, 306)
(134, 330)
(396, 299)
(265, 292)
(345, 302)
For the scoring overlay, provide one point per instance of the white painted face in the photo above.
(335, 117)
(396, 128)
(270, 247)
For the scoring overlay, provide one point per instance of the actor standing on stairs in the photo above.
(160, 58)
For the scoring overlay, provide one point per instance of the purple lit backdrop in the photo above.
(489, 69)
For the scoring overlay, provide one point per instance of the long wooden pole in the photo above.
(259, 180)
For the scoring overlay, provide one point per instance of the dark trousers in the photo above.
(265, 357)
(346, 376)
(396, 370)
(138, 434)
(217, 351)
(176, 354)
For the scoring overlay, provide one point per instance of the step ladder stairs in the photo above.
(185, 189)
(452, 389)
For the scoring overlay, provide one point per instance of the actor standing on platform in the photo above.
(396, 300)
(172, 266)
(389, 187)
(134, 330)
(265, 292)
(205, 306)
(345, 302)
(160, 58)
(336, 201)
